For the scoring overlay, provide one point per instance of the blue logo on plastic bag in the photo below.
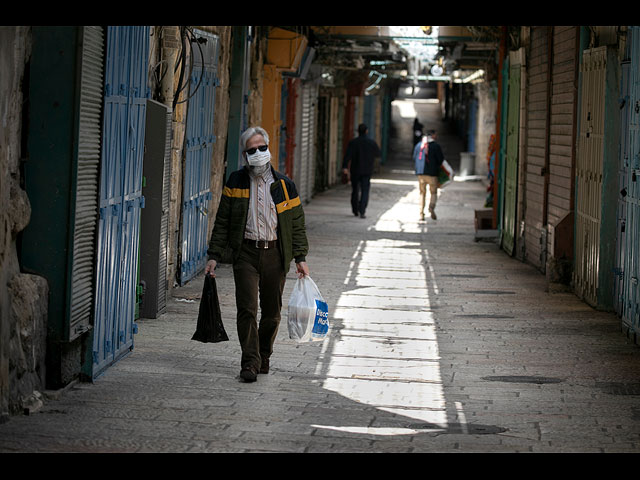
(321, 322)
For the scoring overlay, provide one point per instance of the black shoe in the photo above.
(362, 215)
(249, 374)
(264, 367)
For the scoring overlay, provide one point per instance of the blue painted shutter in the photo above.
(198, 154)
(125, 95)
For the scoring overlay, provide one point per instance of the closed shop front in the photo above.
(61, 174)
(597, 177)
(550, 148)
(562, 149)
(199, 139)
(512, 153)
(126, 93)
(627, 262)
(537, 149)
(305, 145)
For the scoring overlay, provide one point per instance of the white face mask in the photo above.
(258, 158)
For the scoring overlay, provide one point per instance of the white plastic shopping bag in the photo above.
(308, 313)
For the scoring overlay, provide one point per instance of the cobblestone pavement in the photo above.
(438, 343)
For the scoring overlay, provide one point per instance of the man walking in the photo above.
(358, 162)
(428, 158)
(260, 218)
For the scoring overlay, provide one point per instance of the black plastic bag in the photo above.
(210, 328)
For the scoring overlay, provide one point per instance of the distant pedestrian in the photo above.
(418, 132)
(358, 162)
(260, 218)
(428, 158)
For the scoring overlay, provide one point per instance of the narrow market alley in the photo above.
(438, 343)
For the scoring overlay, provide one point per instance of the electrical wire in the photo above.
(198, 41)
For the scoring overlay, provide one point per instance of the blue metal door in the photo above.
(198, 153)
(627, 268)
(125, 97)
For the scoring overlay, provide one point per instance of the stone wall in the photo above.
(23, 298)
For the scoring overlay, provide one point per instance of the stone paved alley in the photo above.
(438, 343)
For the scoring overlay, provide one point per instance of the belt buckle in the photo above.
(266, 244)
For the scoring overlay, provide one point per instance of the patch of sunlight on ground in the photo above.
(406, 108)
(403, 216)
(380, 430)
(386, 354)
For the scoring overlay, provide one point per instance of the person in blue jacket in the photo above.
(428, 158)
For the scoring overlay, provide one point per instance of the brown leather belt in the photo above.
(264, 244)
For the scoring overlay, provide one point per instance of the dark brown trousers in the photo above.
(258, 276)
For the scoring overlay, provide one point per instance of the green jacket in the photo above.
(231, 219)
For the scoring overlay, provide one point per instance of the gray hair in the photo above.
(250, 132)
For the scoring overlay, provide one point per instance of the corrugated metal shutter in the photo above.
(163, 284)
(335, 163)
(538, 79)
(86, 191)
(512, 154)
(562, 128)
(302, 173)
(305, 173)
(312, 105)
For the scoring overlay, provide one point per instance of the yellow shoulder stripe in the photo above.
(284, 189)
(287, 205)
(236, 192)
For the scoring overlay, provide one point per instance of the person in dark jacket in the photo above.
(417, 132)
(428, 158)
(358, 162)
(261, 221)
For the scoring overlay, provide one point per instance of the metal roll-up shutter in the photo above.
(306, 177)
(310, 102)
(305, 159)
(86, 191)
(560, 184)
(335, 163)
(537, 114)
(163, 284)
